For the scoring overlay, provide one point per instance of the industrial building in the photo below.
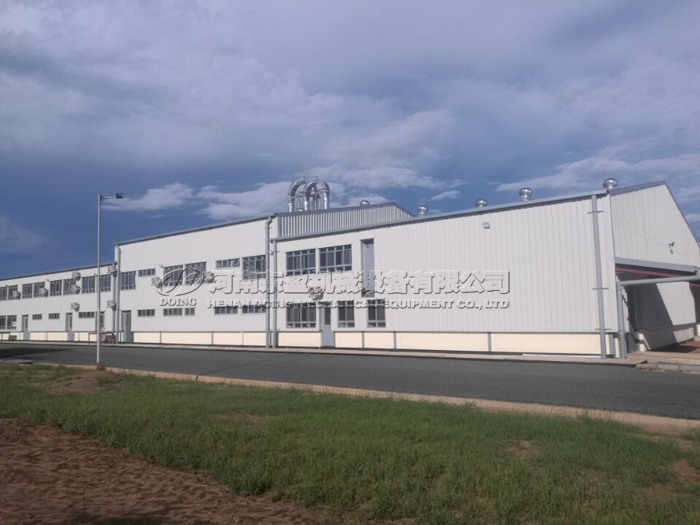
(538, 276)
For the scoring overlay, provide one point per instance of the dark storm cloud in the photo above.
(206, 110)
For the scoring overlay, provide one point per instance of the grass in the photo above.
(379, 459)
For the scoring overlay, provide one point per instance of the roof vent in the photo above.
(610, 183)
(364, 203)
(525, 194)
(481, 203)
(422, 210)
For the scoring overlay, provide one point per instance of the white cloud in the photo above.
(265, 198)
(556, 96)
(449, 194)
(18, 239)
(590, 172)
(165, 198)
(693, 217)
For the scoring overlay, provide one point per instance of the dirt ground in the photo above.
(48, 476)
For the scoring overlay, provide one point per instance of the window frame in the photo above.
(301, 262)
(127, 280)
(335, 253)
(91, 279)
(344, 308)
(259, 267)
(56, 288)
(301, 315)
(376, 313)
(223, 264)
(225, 310)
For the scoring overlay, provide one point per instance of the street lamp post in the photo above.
(98, 314)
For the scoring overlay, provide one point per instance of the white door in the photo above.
(126, 326)
(69, 326)
(25, 327)
(327, 334)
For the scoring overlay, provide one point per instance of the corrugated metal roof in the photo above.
(384, 205)
(472, 211)
(303, 223)
(25, 276)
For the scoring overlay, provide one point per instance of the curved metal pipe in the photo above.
(292, 192)
(325, 192)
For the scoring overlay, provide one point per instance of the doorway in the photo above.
(327, 334)
(127, 336)
(25, 327)
(69, 326)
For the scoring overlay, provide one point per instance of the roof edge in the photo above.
(25, 276)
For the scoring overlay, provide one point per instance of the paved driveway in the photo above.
(582, 385)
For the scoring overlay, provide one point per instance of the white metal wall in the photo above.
(548, 250)
(646, 222)
(60, 304)
(235, 241)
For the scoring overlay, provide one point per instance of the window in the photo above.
(88, 284)
(36, 317)
(194, 272)
(301, 262)
(189, 311)
(105, 283)
(27, 291)
(53, 317)
(228, 263)
(172, 312)
(12, 292)
(172, 275)
(335, 259)
(127, 281)
(376, 313)
(69, 287)
(38, 289)
(3, 293)
(148, 272)
(225, 310)
(146, 313)
(346, 314)
(12, 322)
(3, 322)
(86, 315)
(301, 315)
(254, 309)
(55, 288)
(254, 267)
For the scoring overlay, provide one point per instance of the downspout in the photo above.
(599, 276)
(117, 309)
(273, 306)
(268, 223)
(621, 337)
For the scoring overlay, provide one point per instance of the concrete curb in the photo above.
(670, 367)
(658, 424)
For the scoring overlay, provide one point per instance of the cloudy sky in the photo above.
(204, 111)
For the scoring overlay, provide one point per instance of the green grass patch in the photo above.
(379, 459)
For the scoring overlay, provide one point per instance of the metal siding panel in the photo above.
(304, 223)
(646, 221)
(548, 250)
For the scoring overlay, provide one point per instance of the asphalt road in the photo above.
(582, 385)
